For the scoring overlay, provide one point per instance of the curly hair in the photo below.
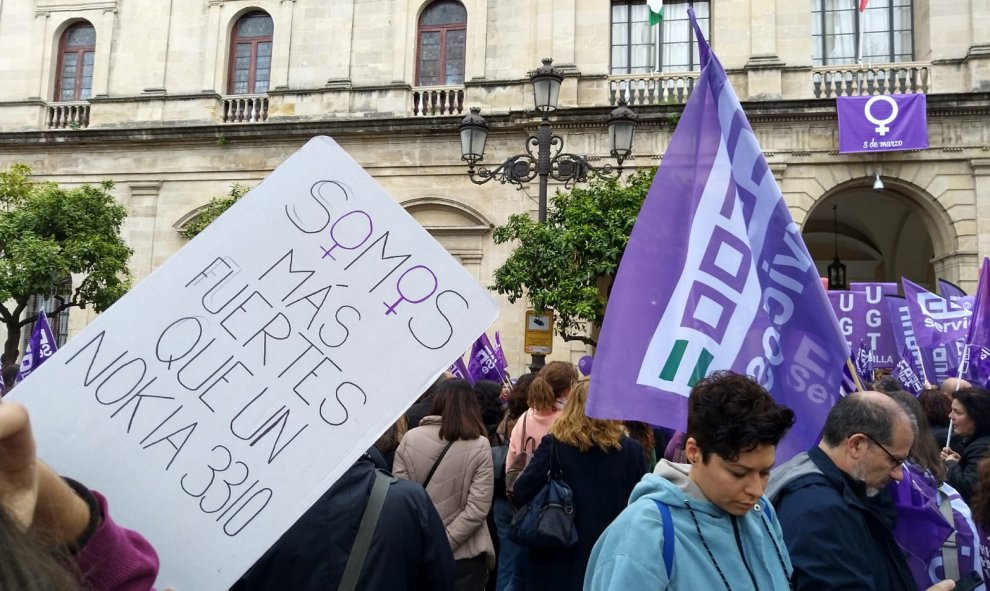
(731, 414)
(575, 428)
(936, 406)
(976, 401)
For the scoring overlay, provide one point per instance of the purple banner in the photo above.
(40, 347)
(882, 123)
(484, 363)
(907, 374)
(716, 276)
(864, 316)
(460, 370)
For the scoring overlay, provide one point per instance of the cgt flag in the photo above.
(716, 276)
(40, 347)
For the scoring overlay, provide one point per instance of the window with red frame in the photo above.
(76, 51)
(251, 54)
(441, 42)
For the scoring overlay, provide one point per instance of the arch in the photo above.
(446, 216)
(441, 43)
(190, 216)
(75, 61)
(901, 231)
(251, 43)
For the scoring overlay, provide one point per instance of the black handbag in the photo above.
(547, 521)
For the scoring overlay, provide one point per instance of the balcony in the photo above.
(651, 89)
(67, 115)
(245, 108)
(438, 100)
(862, 80)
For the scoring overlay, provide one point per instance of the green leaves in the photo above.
(212, 211)
(48, 234)
(568, 264)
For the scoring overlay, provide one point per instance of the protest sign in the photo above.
(882, 123)
(716, 276)
(225, 393)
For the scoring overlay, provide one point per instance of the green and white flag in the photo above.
(656, 11)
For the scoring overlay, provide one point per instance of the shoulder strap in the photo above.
(436, 463)
(362, 542)
(950, 558)
(668, 536)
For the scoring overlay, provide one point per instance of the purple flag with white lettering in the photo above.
(863, 362)
(882, 123)
(503, 364)
(716, 276)
(40, 347)
(921, 528)
(483, 364)
(460, 370)
(864, 316)
(935, 319)
(907, 374)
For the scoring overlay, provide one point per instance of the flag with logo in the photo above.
(863, 363)
(935, 319)
(40, 347)
(907, 374)
(500, 359)
(716, 277)
(977, 369)
(484, 364)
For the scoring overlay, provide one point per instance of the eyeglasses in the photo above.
(897, 461)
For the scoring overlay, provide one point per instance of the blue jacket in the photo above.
(838, 538)
(748, 551)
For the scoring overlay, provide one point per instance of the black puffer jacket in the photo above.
(409, 549)
(962, 475)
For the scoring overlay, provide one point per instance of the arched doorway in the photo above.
(880, 236)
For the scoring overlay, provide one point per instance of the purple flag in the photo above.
(460, 370)
(500, 355)
(882, 123)
(40, 347)
(950, 290)
(979, 327)
(864, 364)
(484, 364)
(716, 276)
(935, 319)
(921, 529)
(863, 315)
(907, 374)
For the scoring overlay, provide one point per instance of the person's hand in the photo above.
(18, 464)
(945, 585)
(949, 456)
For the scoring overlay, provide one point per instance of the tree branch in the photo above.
(580, 338)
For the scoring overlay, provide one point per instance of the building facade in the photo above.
(175, 100)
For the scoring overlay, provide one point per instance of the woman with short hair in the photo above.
(450, 456)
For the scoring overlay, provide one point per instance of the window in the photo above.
(842, 35)
(441, 42)
(251, 54)
(635, 41)
(75, 63)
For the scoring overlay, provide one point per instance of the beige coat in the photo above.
(461, 488)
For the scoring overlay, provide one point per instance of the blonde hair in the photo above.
(575, 428)
(553, 382)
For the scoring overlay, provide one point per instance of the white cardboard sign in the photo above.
(225, 393)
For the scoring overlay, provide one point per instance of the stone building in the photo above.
(175, 100)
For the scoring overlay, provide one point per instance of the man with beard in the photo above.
(833, 504)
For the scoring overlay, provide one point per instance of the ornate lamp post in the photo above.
(544, 156)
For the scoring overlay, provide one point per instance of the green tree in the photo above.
(568, 264)
(212, 211)
(48, 234)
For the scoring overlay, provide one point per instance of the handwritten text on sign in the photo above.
(222, 396)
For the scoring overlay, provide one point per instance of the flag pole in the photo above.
(855, 375)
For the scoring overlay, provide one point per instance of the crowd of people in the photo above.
(896, 496)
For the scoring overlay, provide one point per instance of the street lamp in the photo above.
(549, 160)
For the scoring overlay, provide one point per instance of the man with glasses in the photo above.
(834, 507)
